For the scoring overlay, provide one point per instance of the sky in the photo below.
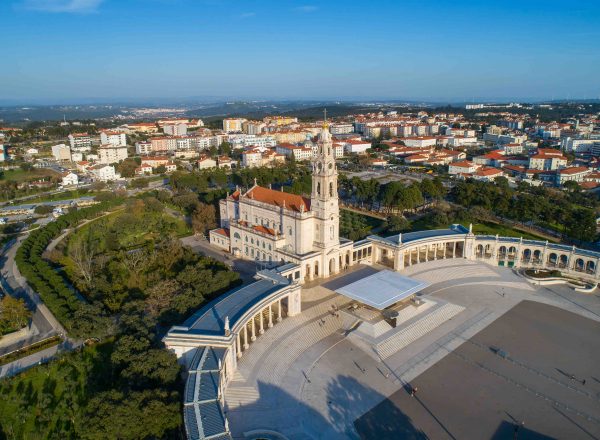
(457, 50)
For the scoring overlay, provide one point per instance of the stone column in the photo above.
(253, 329)
(238, 346)
(279, 317)
(270, 324)
(435, 251)
(261, 330)
(454, 250)
(246, 345)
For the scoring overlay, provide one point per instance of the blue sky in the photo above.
(57, 50)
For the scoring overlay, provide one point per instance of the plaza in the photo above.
(309, 377)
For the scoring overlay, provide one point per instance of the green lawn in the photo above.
(18, 175)
(489, 228)
(67, 195)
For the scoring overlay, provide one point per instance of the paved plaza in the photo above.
(528, 366)
(305, 378)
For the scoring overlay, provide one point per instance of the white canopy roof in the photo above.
(382, 289)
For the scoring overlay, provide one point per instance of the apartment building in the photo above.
(80, 141)
(114, 138)
(109, 153)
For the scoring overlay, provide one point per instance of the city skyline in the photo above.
(72, 50)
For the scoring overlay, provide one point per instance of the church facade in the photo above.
(273, 227)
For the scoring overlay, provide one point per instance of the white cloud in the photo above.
(71, 6)
(306, 8)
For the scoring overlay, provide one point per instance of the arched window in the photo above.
(236, 235)
(318, 189)
(331, 189)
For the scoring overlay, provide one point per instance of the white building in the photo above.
(175, 129)
(61, 152)
(80, 141)
(299, 152)
(114, 138)
(76, 156)
(205, 162)
(69, 179)
(341, 128)
(143, 147)
(462, 167)
(3, 154)
(103, 173)
(420, 141)
(108, 154)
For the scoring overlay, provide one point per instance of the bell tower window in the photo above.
(319, 189)
(331, 189)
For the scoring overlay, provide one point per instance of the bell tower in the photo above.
(324, 197)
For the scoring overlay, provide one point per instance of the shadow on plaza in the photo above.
(346, 399)
(510, 430)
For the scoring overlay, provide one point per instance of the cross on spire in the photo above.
(325, 114)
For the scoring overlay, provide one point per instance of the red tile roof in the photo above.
(222, 231)
(278, 198)
(264, 230)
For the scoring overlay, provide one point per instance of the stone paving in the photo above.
(305, 379)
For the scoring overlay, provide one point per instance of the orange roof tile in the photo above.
(278, 198)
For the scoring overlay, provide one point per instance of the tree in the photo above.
(571, 186)
(225, 148)
(43, 209)
(127, 167)
(82, 252)
(13, 314)
(160, 296)
(203, 218)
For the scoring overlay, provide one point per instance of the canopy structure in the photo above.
(382, 289)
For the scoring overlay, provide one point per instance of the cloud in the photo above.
(306, 8)
(70, 6)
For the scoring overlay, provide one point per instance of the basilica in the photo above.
(273, 227)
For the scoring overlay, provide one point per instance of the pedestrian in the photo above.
(413, 391)
(583, 382)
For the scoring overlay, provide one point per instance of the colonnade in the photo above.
(256, 325)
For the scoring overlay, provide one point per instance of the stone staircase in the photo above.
(417, 329)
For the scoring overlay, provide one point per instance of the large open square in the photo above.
(506, 358)
(528, 366)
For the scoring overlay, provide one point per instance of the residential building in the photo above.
(175, 129)
(462, 167)
(206, 162)
(81, 141)
(163, 143)
(114, 138)
(103, 173)
(420, 141)
(547, 159)
(61, 152)
(143, 147)
(143, 170)
(280, 120)
(253, 127)
(487, 174)
(233, 125)
(254, 157)
(225, 162)
(69, 178)
(572, 174)
(351, 146)
(299, 152)
(341, 128)
(155, 161)
(109, 153)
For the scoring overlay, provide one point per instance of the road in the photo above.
(13, 283)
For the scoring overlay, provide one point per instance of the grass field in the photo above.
(18, 175)
(489, 228)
